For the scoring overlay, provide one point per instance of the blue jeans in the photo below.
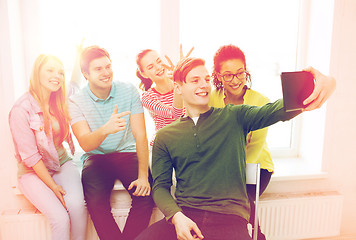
(98, 177)
(214, 226)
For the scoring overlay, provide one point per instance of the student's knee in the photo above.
(142, 202)
(75, 205)
(160, 230)
(60, 221)
(93, 191)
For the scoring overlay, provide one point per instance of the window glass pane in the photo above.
(121, 27)
(265, 30)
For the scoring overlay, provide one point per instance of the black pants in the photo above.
(251, 192)
(98, 177)
(214, 226)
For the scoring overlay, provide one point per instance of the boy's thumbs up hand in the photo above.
(116, 110)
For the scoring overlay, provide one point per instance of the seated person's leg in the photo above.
(44, 199)
(217, 226)
(161, 230)
(126, 167)
(69, 178)
(98, 181)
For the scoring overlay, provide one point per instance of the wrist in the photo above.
(104, 132)
(143, 171)
(175, 217)
(143, 176)
(52, 186)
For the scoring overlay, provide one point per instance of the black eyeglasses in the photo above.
(229, 76)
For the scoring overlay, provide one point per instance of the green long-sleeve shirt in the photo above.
(209, 158)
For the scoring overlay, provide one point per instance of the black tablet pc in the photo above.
(296, 87)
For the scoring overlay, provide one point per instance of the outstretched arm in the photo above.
(76, 73)
(324, 87)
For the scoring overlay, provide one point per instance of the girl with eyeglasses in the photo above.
(232, 84)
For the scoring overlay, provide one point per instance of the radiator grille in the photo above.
(301, 216)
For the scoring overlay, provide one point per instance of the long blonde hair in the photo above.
(57, 100)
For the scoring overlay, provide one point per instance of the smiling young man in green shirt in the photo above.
(206, 148)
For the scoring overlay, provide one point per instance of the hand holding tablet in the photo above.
(296, 87)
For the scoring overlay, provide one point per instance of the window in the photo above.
(272, 35)
(122, 27)
(267, 32)
(275, 36)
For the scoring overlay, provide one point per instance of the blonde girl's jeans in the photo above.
(65, 224)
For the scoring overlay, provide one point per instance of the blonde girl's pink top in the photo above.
(30, 140)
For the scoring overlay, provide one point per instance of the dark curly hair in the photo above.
(225, 53)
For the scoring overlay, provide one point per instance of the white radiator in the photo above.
(23, 225)
(300, 216)
(32, 225)
(282, 217)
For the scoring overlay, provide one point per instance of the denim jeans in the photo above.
(65, 224)
(214, 226)
(98, 177)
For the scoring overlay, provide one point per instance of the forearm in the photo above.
(162, 109)
(260, 117)
(165, 201)
(142, 155)
(76, 73)
(92, 140)
(42, 172)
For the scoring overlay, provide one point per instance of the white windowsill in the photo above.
(291, 169)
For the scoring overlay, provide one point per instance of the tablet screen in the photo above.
(296, 87)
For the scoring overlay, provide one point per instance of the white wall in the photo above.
(13, 68)
(340, 132)
(339, 156)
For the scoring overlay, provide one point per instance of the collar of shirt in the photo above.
(35, 105)
(201, 116)
(96, 99)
